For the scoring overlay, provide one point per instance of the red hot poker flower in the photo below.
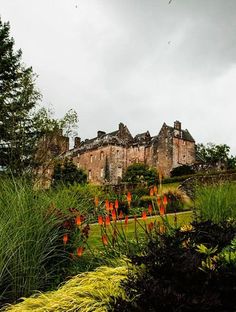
(78, 220)
(104, 239)
(107, 221)
(100, 220)
(113, 215)
(144, 215)
(116, 204)
(150, 209)
(162, 210)
(126, 220)
(107, 204)
(129, 197)
(65, 239)
(80, 251)
(155, 190)
(165, 200)
(159, 201)
(121, 216)
(151, 192)
(111, 206)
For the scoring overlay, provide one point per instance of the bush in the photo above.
(183, 272)
(182, 170)
(141, 173)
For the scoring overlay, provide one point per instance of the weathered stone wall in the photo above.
(183, 152)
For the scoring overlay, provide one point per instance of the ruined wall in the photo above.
(183, 152)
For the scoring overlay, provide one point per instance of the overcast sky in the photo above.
(140, 62)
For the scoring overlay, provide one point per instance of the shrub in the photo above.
(183, 272)
(181, 171)
(141, 173)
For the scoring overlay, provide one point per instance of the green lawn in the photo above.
(95, 241)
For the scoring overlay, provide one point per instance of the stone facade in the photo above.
(106, 157)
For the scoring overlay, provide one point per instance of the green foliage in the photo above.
(31, 250)
(216, 202)
(181, 171)
(214, 154)
(67, 173)
(175, 275)
(141, 173)
(92, 291)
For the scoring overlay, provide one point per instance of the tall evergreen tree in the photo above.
(18, 97)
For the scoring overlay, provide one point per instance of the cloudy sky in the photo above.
(140, 62)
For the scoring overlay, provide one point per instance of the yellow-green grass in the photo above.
(92, 291)
(95, 241)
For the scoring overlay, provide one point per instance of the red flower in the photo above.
(151, 192)
(150, 209)
(162, 210)
(116, 204)
(129, 197)
(100, 220)
(96, 201)
(126, 220)
(107, 221)
(165, 200)
(107, 204)
(65, 239)
(144, 215)
(80, 251)
(150, 226)
(104, 239)
(121, 215)
(78, 220)
(113, 215)
(111, 206)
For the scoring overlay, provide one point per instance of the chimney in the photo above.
(177, 125)
(100, 133)
(77, 142)
(121, 126)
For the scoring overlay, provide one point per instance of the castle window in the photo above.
(102, 173)
(91, 158)
(119, 172)
(90, 175)
(101, 155)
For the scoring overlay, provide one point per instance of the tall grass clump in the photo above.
(31, 248)
(216, 202)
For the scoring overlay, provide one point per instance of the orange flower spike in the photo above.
(107, 204)
(151, 192)
(129, 197)
(121, 216)
(165, 200)
(100, 220)
(162, 210)
(107, 220)
(144, 215)
(111, 206)
(80, 251)
(126, 220)
(78, 220)
(113, 215)
(159, 201)
(155, 190)
(104, 239)
(150, 209)
(150, 226)
(116, 204)
(96, 201)
(65, 239)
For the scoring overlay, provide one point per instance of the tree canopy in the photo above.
(141, 173)
(216, 155)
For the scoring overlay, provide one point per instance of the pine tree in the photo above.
(18, 98)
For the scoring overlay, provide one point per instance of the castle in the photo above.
(106, 157)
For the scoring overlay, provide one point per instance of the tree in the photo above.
(216, 155)
(18, 97)
(181, 170)
(67, 173)
(141, 173)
